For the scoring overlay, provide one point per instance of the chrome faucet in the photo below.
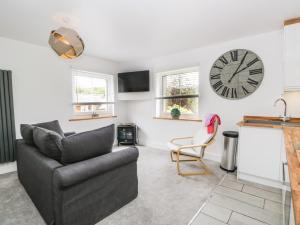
(284, 117)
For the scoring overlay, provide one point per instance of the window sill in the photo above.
(89, 117)
(180, 119)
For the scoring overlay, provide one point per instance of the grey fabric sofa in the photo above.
(80, 193)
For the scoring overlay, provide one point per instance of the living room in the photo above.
(224, 74)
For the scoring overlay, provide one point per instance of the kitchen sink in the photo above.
(275, 122)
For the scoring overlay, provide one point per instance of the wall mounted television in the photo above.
(133, 81)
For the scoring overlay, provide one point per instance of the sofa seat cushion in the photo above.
(48, 142)
(87, 145)
(27, 130)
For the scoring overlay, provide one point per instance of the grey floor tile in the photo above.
(276, 197)
(273, 206)
(246, 209)
(203, 219)
(232, 184)
(217, 212)
(239, 219)
(241, 196)
(231, 177)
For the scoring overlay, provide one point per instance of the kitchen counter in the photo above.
(292, 138)
(268, 122)
(291, 135)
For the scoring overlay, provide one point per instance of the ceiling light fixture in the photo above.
(66, 43)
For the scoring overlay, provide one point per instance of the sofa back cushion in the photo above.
(48, 142)
(27, 130)
(87, 145)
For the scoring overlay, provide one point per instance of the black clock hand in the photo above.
(236, 71)
(241, 70)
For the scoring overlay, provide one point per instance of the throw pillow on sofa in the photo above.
(27, 130)
(48, 142)
(87, 145)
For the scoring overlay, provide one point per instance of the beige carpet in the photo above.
(164, 197)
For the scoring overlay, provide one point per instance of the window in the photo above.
(93, 93)
(178, 89)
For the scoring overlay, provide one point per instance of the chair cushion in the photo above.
(27, 130)
(191, 152)
(87, 145)
(186, 151)
(172, 146)
(201, 137)
(48, 142)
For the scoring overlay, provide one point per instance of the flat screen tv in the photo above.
(133, 81)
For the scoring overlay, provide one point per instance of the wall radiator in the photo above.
(7, 120)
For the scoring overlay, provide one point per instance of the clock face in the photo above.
(236, 74)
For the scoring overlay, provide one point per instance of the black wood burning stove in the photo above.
(127, 134)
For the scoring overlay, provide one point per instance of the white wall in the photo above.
(42, 88)
(293, 103)
(42, 85)
(268, 46)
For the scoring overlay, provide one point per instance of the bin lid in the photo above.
(233, 134)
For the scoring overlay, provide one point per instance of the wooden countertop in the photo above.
(292, 138)
(246, 124)
(265, 118)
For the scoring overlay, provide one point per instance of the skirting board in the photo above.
(208, 155)
(8, 167)
(259, 180)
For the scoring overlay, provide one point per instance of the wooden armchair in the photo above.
(192, 151)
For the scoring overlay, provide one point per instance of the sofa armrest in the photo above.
(35, 172)
(69, 133)
(78, 172)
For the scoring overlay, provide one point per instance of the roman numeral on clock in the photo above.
(215, 77)
(234, 55)
(255, 71)
(225, 91)
(223, 60)
(252, 82)
(252, 62)
(217, 67)
(217, 86)
(233, 93)
(246, 92)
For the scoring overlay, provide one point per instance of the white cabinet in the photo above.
(292, 56)
(259, 155)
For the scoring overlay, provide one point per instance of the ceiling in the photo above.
(125, 30)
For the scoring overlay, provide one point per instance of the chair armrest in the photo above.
(180, 138)
(69, 133)
(78, 172)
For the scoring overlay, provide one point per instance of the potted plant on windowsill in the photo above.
(175, 113)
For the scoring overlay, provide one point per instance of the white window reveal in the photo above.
(93, 93)
(180, 89)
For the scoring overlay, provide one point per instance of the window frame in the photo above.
(160, 92)
(110, 92)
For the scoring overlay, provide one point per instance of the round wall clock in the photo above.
(236, 74)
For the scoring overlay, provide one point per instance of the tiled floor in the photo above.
(241, 203)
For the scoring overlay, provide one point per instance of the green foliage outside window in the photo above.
(185, 105)
(91, 91)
